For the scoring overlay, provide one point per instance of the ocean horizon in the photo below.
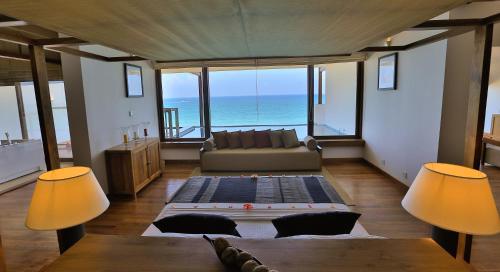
(243, 110)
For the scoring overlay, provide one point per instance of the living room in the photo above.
(169, 119)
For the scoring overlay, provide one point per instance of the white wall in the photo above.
(106, 107)
(401, 128)
(493, 104)
(9, 115)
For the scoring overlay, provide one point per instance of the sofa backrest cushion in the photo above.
(263, 138)
(290, 138)
(234, 139)
(220, 139)
(247, 138)
(276, 138)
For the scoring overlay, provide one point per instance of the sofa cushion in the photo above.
(247, 138)
(220, 139)
(234, 139)
(325, 223)
(263, 138)
(290, 138)
(276, 138)
(310, 143)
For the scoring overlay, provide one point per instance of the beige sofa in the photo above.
(261, 159)
(491, 153)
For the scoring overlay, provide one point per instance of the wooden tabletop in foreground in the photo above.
(135, 253)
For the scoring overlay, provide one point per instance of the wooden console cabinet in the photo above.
(132, 166)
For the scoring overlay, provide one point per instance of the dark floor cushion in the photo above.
(220, 139)
(233, 139)
(290, 138)
(195, 223)
(327, 223)
(247, 138)
(276, 138)
(263, 138)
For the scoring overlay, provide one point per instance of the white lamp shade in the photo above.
(65, 198)
(453, 197)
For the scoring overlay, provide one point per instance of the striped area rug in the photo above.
(266, 189)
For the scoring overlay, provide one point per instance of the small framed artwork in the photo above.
(133, 80)
(388, 72)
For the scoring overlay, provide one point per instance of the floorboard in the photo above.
(377, 197)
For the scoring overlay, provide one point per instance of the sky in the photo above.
(239, 83)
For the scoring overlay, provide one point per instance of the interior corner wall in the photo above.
(401, 127)
(459, 55)
(106, 108)
(493, 103)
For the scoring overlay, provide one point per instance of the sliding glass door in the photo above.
(182, 105)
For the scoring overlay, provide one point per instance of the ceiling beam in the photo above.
(77, 52)
(383, 48)
(23, 57)
(6, 21)
(125, 58)
(14, 38)
(432, 39)
(445, 24)
(55, 42)
(264, 61)
(439, 37)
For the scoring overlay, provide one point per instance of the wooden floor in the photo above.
(376, 195)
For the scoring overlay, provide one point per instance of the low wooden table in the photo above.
(127, 253)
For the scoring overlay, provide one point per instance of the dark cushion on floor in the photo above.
(220, 139)
(195, 223)
(263, 138)
(247, 138)
(327, 223)
(234, 139)
(290, 138)
(276, 138)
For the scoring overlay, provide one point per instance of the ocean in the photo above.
(243, 110)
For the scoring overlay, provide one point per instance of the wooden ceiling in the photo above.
(14, 64)
(173, 30)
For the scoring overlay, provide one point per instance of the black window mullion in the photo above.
(206, 101)
(310, 100)
(360, 87)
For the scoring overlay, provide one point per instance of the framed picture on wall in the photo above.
(388, 72)
(133, 80)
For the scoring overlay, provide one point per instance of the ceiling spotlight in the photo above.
(388, 41)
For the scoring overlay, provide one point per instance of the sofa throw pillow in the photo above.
(197, 223)
(326, 223)
(290, 138)
(220, 139)
(263, 138)
(310, 143)
(233, 139)
(209, 144)
(276, 138)
(247, 138)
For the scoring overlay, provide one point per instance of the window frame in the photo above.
(205, 105)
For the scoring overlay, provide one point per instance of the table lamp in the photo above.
(63, 200)
(454, 198)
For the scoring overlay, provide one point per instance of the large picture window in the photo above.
(335, 113)
(322, 100)
(258, 98)
(182, 106)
